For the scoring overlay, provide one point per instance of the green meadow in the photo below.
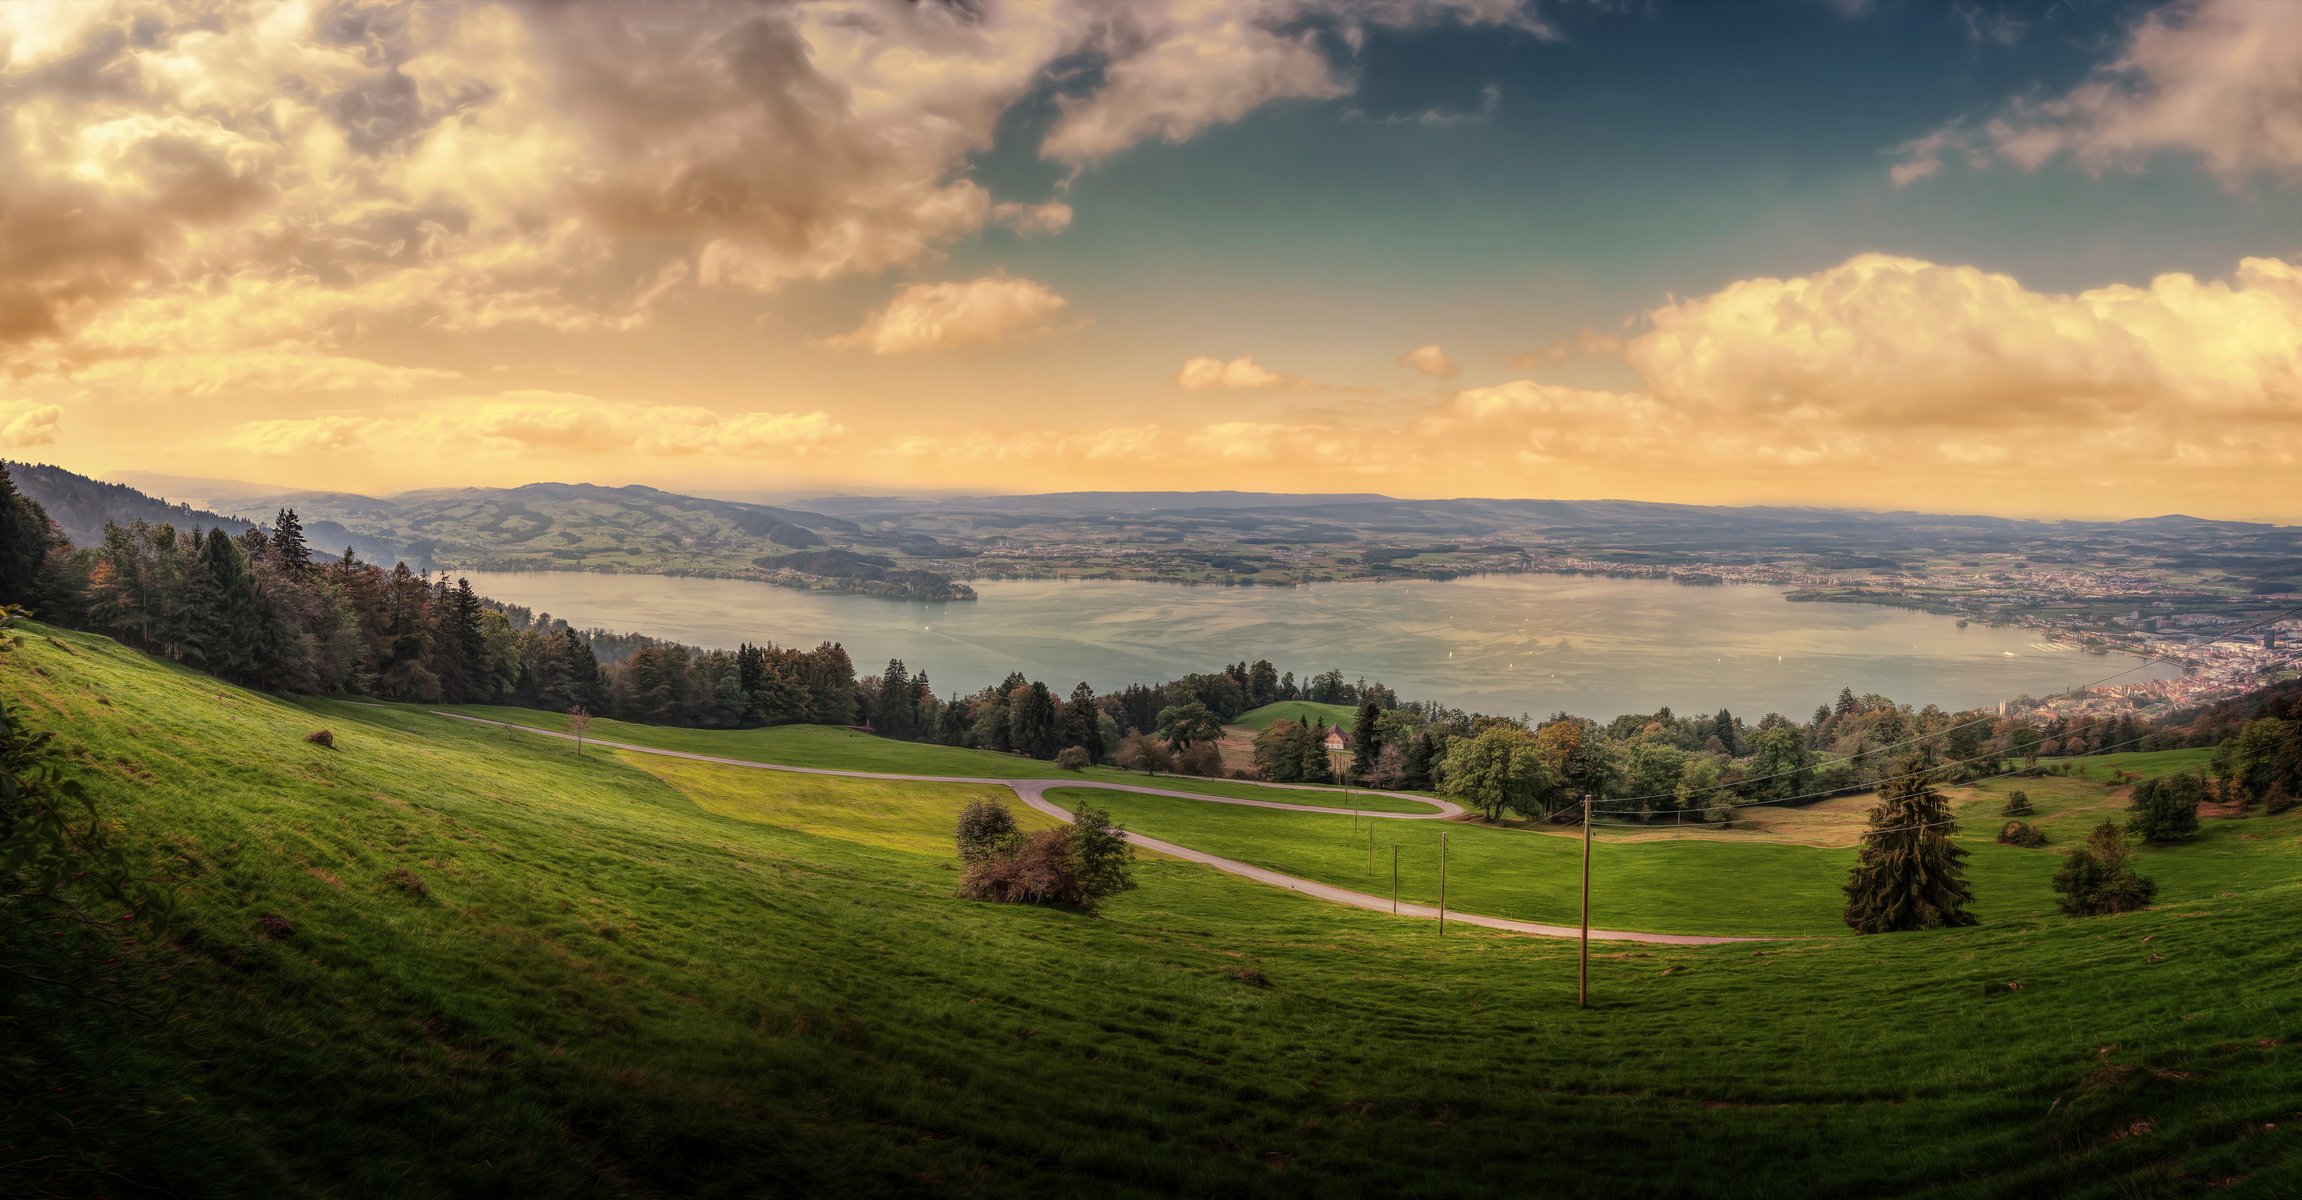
(1298, 711)
(442, 958)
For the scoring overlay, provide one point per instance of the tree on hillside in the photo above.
(1262, 683)
(2265, 762)
(1366, 739)
(288, 547)
(23, 542)
(2166, 810)
(1083, 723)
(1782, 766)
(1185, 724)
(1908, 874)
(1143, 752)
(895, 709)
(1496, 771)
(1723, 728)
(1033, 725)
(2099, 877)
(2024, 742)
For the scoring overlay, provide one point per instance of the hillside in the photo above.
(558, 526)
(81, 507)
(446, 959)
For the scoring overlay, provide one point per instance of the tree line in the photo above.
(259, 609)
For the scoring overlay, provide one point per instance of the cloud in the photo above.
(1490, 103)
(991, 311)
(1030, 219)
(36, 426)
(2219, 80)
(1883, 341)
(1431, 361)
(228, 178)
(1239, 373)
(1174, 68)
(547, 425)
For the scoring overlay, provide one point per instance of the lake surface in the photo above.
(1503, 643)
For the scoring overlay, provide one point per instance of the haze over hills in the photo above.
(81, 507)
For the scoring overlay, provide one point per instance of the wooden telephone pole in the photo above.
(1583, 987)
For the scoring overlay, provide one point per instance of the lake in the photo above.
(1501, 643)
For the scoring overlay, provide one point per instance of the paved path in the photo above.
(1033, 792)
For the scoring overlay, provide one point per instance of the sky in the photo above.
(2032, 257)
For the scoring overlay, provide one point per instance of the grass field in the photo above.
(851, 750)
(625, 975)
(1298, 711)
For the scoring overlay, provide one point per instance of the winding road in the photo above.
(1033, 792)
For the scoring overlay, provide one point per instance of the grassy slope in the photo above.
(631, 976)
(848, 749)
(1297, 711)
(1716, 883)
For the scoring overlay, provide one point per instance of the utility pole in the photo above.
(1583, 989)
(1442, 885)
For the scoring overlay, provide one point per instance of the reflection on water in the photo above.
(1508, 643)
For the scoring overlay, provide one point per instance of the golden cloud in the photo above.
(1242, 373)
(37, 425)
(1431, 361)
(991, 311)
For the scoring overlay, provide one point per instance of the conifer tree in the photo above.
(23, 542)
(896, 708)
(1083, 723)
(1908, 874)
(1366, 741)
(288, 548)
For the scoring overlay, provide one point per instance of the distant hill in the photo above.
(81, 507)
(583, 526)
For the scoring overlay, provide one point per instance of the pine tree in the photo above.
(1366, 742)
(1908, 874)
(288, 549)
(895, 714)
(1083, 723)
(1032, 725)
(229, 621)
(23, 542)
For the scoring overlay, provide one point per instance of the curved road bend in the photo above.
(1033, 793)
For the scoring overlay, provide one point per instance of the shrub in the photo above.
(2166, 810)
(986, 828)
(1032, 870)
(1201, 759)
(2018, 834)
(1072, 758)
(1139, 752)
(2018, 803)
(1078, 866)
(321, 738)
(2099, 877)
